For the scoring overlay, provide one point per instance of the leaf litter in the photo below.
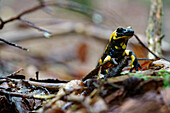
(120, 91)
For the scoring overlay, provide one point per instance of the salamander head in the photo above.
(123, 33)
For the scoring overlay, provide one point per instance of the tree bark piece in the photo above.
(154, 29)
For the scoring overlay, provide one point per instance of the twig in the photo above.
(157, 57)
(47, 85)
(3, 92)
(14, 73)
(161, 37)
(37, 75)
(145, 46)
(31, 24)
(22, 13)
(145, 59)
(41, 5)
(18, 17)
(38, 84)
(1, 24)
(13, 44)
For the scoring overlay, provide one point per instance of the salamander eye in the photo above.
(119, 30)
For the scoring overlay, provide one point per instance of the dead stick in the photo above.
(13, 44)
(37, 7)
(14, 73)
(47, 85)
(145, 46)
(148, 48)
(3, 92)
(33, 25)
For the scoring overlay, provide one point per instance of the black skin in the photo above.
(116, 48)
(136, 64)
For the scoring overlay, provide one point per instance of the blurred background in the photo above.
(80, 31)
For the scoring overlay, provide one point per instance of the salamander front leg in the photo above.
(134, 64)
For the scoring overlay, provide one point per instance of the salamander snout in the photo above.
(125, 31)
(129, 32)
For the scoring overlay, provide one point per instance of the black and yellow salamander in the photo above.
(116, 48)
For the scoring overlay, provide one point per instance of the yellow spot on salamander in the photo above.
(124, 46)
(115, 36)
(106, 70)
(116, 47)
(121, 44)
(108, 58)
(100, 61)
(124, 53)
(133, 59)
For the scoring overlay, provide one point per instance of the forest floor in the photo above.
(50, 77)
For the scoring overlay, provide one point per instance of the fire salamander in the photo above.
(116, 48)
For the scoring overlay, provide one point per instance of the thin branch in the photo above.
(41, 5)
(47, 85)
(145, 59)
(14, 75)
(23, 13)
(34, 83)
(33, 25)
(145, 46)
(2, 23)
(148, 48)
(16, 72)
(18, 17)
(3, 92)
(13, 44)
(161, 37)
